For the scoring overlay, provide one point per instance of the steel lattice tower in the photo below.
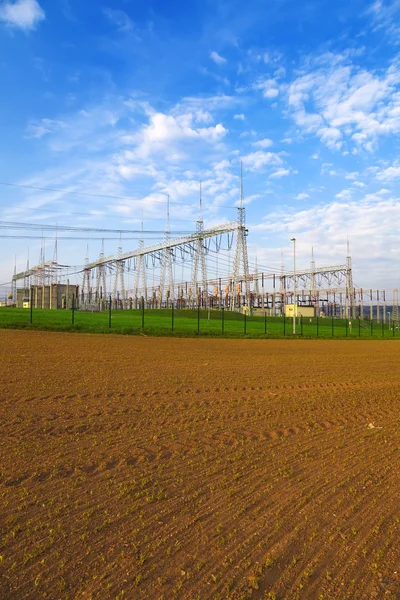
(395, 307)
(101, 287)
(86, 278)
(141, 271)
(166, 265)
(351, 308)
(241, 257)
(199, 258)
(119, 276)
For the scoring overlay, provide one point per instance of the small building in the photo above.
(302, 310)
(56, 295)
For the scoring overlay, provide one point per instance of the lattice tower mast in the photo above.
(119, 275)
(241, 257)
(282, 278)
(395, 308)
(86, 278)
(256, 284)
(27, 279)
(313, 290)
(351, 312)
(166, 264)
(101, 287)
(40, 278)
(54, 272)
(141, 271)
(199, 256)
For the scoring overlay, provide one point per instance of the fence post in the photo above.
(372, 325)
(347, 327)
(31, 307)
(198, 317)
(317, 327)
(109, 312)
(222, 319)
(142, 303)
(265, 323)
(172, 316)
(245, 323)
(73, 309)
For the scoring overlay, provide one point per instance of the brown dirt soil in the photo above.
(143, 468)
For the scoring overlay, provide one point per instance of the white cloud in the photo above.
(258, 160)
(239, 117)
(384, 16)
(172, 135)
(269, 88)
(265, 143)
(119, 18)
(344, 195)
(281, 172)
(302, 196)
(373, 227)
(44, 127)
(389, 174)
(330, 136)
(217, 58)
(23, 14)
(343, 103)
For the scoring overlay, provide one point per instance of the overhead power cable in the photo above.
(43, 227)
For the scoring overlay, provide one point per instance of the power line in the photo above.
(92, 195)
(42, 227)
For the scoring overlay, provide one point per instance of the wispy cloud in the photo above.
(259, 160)
(265, 143)
(269, 88)
(281, 172)
(343, 104)
(385, 15)
(44, 127)
(119, 18)
(389, 174)
(217, 58)
(22, 14)
(373, 225)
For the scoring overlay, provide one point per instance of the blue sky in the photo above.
(136, 100)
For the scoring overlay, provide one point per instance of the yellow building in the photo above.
(301, 310)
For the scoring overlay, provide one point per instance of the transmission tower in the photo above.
(86, 279)
(395, 308)
(199, 258)
(350, 304)
(141, 271)
(313, 291)
(166, 265)
(119, 276)
(241, 258)
(101, 287)
(256, 284)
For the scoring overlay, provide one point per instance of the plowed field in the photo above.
(144, 468)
